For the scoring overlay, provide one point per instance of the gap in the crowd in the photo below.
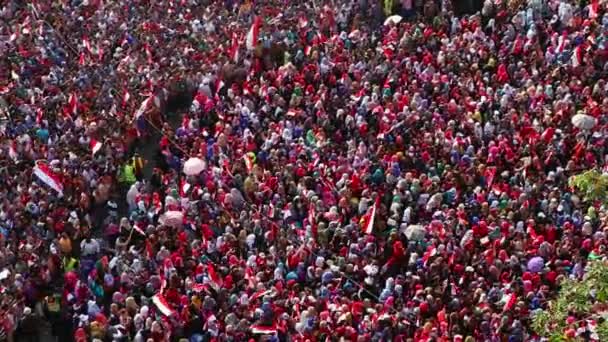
(462, 7)
(178, 101)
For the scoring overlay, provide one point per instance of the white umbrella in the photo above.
(396, 19)
(172, 218)
(583, 121)
(194, 166)
(415, 232)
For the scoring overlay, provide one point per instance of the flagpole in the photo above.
(37, 16)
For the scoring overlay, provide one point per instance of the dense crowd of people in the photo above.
(297, 171)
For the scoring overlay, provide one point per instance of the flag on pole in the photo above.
(162, 305)
(234, 50)
(252, 36)
(72, 107)
(48, 177)
(143, 107)
(214, 279)
(95, 146)
(368, 219)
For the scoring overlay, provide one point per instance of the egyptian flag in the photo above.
(183, 188)
(95, 146)
(156, 203)
(594, 8)
(72, 108)
(48, 177)
(259, 294)
(388, 51)
(139, 229)
(562, 42)
(86, 44)
(214, 279)
(162, 305)
(577, 56)
(510, 300)
(199, 100)
(234, 50)
(579, 149)
(258, 329)
(431, 251)
(125, 98)
(547, 135)
(14, 36)
(311, 221)
(368, 219)
(307, 50)
(198, 288)
(12, 151)
(490, 174)
(144, 106)
(219, 84)
(252, 36)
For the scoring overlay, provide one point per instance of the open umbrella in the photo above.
(415, 232)
(194, 166)
(396, 19)
(583, 121)
(172, 218)
(536, 264)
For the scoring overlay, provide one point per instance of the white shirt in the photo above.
(89, 248)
